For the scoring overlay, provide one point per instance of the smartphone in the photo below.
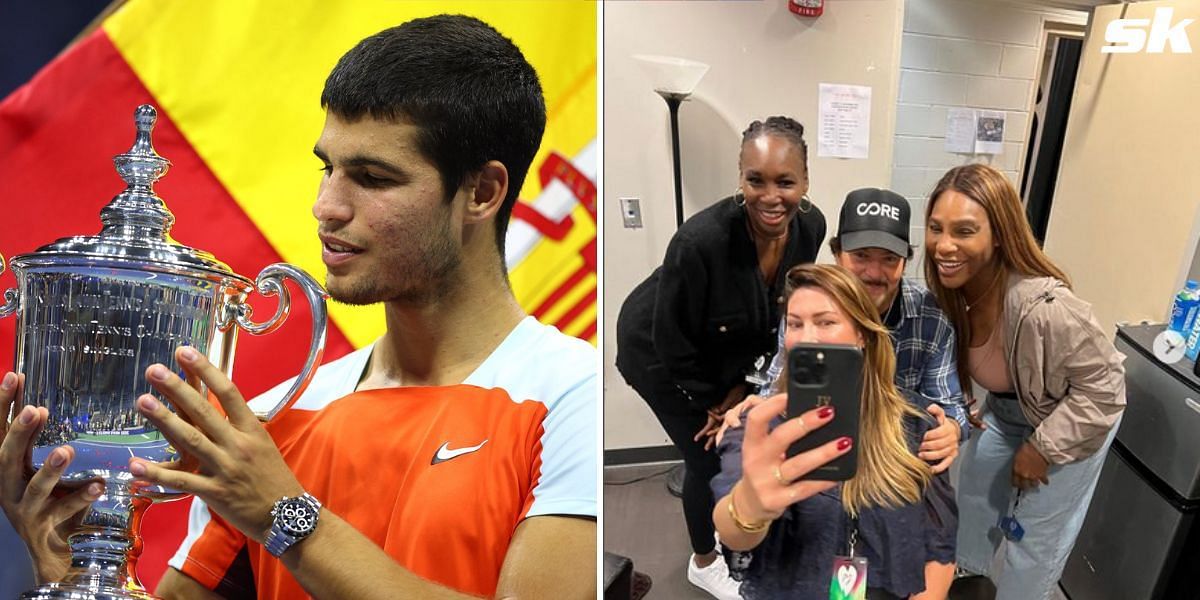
(826, 375)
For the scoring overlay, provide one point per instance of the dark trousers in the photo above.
(681, 423)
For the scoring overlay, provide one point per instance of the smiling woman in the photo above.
(688, 336)
(786, 530)
(1055, 383)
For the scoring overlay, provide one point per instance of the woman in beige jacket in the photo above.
(1055, 383)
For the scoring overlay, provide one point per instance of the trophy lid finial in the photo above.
(136, 224)
(138, 212)
(141, 165)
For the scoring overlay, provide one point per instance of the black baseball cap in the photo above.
(874, 218)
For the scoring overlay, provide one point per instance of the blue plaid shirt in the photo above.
(924, 342)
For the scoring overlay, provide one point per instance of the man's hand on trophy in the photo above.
(38, 513)
(241, 473)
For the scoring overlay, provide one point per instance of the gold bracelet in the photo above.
(759, 527)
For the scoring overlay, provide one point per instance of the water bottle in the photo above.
(1185, 308)
(1193, 340)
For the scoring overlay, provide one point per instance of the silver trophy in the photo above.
(93, 312)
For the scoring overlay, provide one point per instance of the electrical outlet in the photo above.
(631, 213)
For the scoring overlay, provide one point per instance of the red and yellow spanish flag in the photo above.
(237, 85)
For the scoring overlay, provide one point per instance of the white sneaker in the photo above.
(713, 579)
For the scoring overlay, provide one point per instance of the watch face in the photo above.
(296, 517)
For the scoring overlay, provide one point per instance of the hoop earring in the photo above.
(739, 199)
(805, 204)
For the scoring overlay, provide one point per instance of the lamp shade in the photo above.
(671, 75)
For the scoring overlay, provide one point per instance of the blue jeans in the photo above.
(1051, 514)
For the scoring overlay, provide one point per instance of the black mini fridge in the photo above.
(1140, 539)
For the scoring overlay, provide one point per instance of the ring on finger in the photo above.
(779, 476)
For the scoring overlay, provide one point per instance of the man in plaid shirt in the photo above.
(872, 243)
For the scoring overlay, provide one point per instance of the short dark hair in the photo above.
(835, 246)
(466, 87)
(784, 127)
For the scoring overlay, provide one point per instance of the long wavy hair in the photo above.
(888, 473)
(1017, 249)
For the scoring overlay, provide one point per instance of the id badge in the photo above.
(849, 578)
(758, 377)
(1012, 529)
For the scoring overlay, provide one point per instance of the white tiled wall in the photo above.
(963, 54)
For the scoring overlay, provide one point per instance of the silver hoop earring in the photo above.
(805, 204)
(739, 198)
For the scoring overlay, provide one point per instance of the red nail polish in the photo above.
(845, 443)
(825, 412)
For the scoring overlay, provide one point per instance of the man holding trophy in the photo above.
(455, 456)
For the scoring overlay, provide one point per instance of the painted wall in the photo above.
(765, 61)
(1124, 223)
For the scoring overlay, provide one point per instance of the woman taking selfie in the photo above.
(688, 336)
(1055, 383)
(790, 533)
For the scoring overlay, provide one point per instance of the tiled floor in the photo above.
(645, 523)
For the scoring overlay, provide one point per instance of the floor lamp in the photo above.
(674, 79)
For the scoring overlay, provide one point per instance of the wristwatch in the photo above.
(293, 520)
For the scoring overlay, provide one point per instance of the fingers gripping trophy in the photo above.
(93, 312)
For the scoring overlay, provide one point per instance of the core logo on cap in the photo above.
(875, 208)
(874, 218)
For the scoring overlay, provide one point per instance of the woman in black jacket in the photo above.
(689, 335)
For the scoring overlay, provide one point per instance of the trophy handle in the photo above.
(270, 283)
(11, 302)
(11, 299)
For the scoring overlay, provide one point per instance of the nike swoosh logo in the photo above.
(444, 453)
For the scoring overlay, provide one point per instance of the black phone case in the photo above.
(827, 374)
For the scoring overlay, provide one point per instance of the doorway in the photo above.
(1052, 104)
